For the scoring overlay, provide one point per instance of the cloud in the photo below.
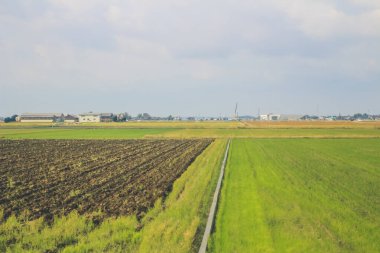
(232, 48)
(367, 3)
(324, 20)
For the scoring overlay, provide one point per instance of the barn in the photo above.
(42, 117)
(69, 118)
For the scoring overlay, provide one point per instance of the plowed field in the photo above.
(117, 177)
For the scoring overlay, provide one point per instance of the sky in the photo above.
(187, 57)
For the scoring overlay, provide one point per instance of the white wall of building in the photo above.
(89, 118)
(272, 117)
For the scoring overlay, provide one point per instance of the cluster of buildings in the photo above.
(68, 118)
(280, 117)
(92, 117)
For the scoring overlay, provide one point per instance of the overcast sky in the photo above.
(186, 57)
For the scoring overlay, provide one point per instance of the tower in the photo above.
(236, 116)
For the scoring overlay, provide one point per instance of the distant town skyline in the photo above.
(190, 58)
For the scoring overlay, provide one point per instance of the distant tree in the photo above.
(11, 119)
(146, 116)
(127, 116)
(170, 117)
(361, 116)
(121, 117)
(114, 118)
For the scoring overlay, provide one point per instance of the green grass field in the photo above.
(133, 133)
(300, 196)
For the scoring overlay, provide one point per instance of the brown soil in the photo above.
(117, 177)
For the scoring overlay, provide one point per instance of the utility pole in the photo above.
(236, 116)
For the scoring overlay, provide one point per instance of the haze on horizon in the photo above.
(190, 57)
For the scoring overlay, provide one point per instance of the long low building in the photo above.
(42, 117)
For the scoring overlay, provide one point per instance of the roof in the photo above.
(41, 115)
(96, 114)
(89, 114)
(70, 116)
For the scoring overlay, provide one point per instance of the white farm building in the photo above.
(270, 117)
(282, 117)
(95, 117)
